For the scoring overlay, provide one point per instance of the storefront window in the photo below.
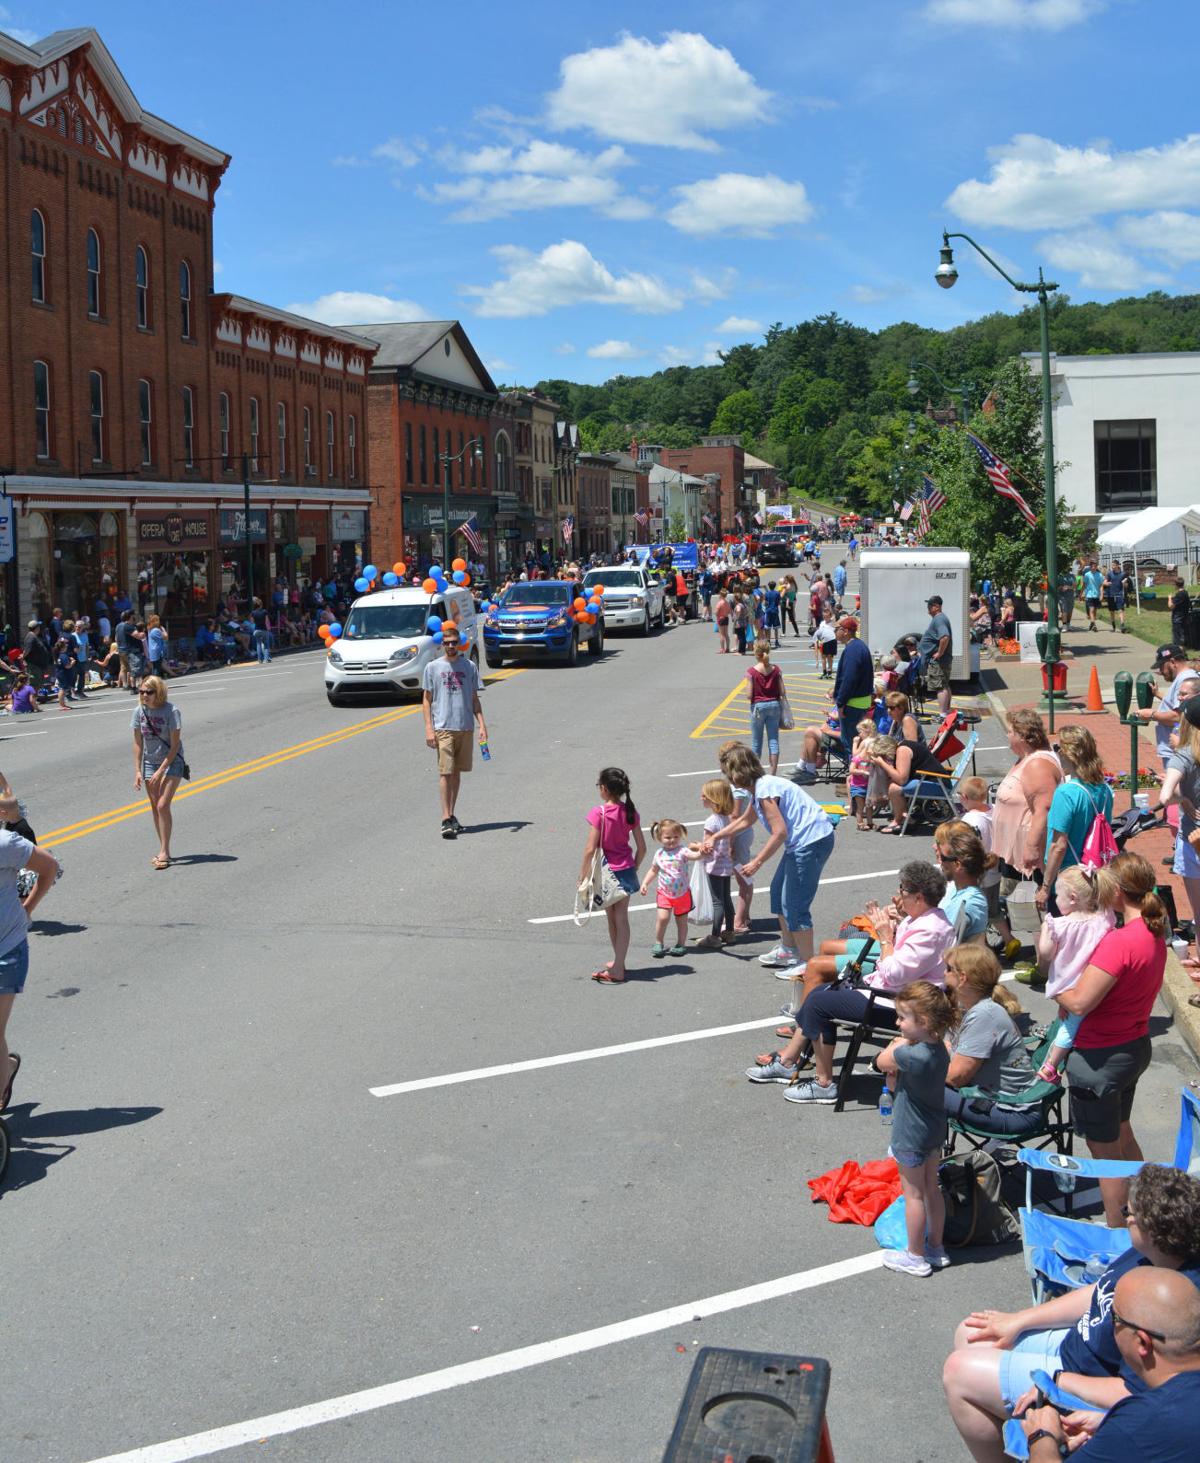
(76, 548)
(41, 564)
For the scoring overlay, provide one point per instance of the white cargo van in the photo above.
(385, 643)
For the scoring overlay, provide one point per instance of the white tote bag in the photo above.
(701, 912)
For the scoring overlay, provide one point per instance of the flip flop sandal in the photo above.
(787, 1032)
(606, 977)
(161, 863)
(16, 1061)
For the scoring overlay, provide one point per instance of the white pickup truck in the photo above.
(633, 599)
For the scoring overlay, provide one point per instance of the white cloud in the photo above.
(566, 274)
(691, 355)
(1049, 15)
(396, 150)
(867, 294)
(18, 33)
(739, 325)
(1099, 261)
(564, 349)
(670, 94)
(1175, 237)
(356, 307)
(707, 289)
(1038, 183)
(615, 350)
(497, 367)
(739, 203)
(218, 267)
(501, 181)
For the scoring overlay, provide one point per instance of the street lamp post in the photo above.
(962, 390)
(947, 276)
(475, 445)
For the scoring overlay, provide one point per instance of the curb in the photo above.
(1176, 989)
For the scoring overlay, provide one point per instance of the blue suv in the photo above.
(534, 620)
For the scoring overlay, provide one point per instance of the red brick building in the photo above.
(725, 458)
(129, 391)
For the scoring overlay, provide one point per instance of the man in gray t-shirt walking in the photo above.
(450, 703)
(937, 648)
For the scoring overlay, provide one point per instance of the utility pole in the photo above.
(249, 535)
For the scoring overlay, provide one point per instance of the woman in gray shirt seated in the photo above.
(987, 1051)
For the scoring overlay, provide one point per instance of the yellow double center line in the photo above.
(243, 769)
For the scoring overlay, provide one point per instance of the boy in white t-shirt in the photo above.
(973, 795)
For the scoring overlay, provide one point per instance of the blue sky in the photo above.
(603, 189)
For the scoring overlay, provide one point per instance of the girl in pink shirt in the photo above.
(614, 829)
(1065, 945)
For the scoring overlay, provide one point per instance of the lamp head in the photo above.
(912, 385)
(946, 274)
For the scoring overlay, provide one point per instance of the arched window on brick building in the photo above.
(255, 424)
(351, 448)
(94, 296)
(185, 299)
(146, 421)
(141, 286)
(43, 436)
(37, 252)
(96, 413)
(223, 428)
(189, 426)
(281, 438)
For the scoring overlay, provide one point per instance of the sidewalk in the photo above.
(1008, 684)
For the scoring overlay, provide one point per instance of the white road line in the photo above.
(89, 714)
(707, 772)
(452, 1079)
(15, 736)
(698, 823)
(371, 1399)
(555, 919)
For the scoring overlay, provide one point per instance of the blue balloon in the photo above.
(335, 629)
(438, 638)
(370, 572)
(459, 576)
(361, 585)
(443, 584)
(435, 571)
(433, 624)
(391, 580)
(485, 606)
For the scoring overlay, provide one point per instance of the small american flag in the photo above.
(933, 494)
(1000, 476)
(470, 531)
(758, 518)
(738, 519)
(568, 528)
(641, 517)
(710, 522)
(906, 512)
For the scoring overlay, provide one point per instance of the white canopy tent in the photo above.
(1165, 535)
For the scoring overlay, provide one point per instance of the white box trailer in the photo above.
(894, 585)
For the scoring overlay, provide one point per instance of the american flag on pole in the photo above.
(758, 518)
(738, 519)
(1000, 476)
(470, 531)
(906, 512)
(568, 528)
(641, 517)
(710, 522)
(931, 499)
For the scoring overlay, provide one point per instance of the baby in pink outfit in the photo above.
(1065, 945)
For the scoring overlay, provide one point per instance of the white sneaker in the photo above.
(791, 972)
(907, 1263)
(781, 955)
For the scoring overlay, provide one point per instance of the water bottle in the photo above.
(885, 1106)
(484, 749)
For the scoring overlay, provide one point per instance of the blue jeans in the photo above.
(851, 716)
(797, 876)
(764, 716)
(262, 645)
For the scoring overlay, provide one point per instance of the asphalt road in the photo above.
(210, 1220)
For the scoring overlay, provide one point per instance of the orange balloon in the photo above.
(597, 588)
(466, 579)
(590, 619)
(580, 605)
(400, 568)
(323, 632)
(429, 586)
(458, 564)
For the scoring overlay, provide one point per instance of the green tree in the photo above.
(739, 415)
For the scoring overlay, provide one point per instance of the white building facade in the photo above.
(1126, 431)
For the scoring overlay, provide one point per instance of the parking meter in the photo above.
(1049, 642)
(1123, 693)
(1143, 689)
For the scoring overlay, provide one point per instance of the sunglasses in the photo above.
(145, 693)
(1120, 1322)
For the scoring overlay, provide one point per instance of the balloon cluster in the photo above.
(587, 611)
(329, 635)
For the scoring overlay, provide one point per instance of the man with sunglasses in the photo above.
(1156, 1322)
(450, 702)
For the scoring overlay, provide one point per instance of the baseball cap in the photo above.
(1191, 710)
(1168, 652)
(33, 624)
(849, 623)
(934, 599)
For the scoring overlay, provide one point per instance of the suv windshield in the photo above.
(535, 594)
(390, 622)
(617, 578)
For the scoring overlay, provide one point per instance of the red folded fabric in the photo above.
(857, 1194)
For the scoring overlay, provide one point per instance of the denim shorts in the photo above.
(627, 878)
(797, 876)
(1187, 863)
(908, 1160)
(14, 967)
(1033, 1351)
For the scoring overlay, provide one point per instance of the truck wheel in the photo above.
(596, 643)
(334, 698)
(494, 662)
(662, 615)
(572, 655)
(646, 622)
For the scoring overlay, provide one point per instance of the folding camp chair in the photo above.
(1054, 1129)
(867, 1028)
(938, 787)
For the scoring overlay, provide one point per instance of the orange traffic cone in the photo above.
(1095, 702)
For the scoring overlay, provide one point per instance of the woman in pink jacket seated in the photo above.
(913, 949)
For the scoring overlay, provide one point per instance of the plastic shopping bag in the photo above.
(701, 912)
